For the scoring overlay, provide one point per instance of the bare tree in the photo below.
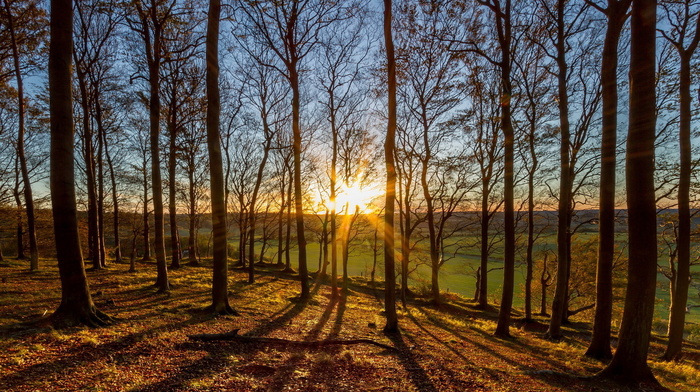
(629, 363)
(616, 13)
(291, 30)
(152, 17)
(392, 322)
(76, 303)
(680, 16)
(25, 26)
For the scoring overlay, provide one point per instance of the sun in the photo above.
(357, 197)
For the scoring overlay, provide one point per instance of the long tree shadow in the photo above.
(418, 376)
(118, 351)
(217, 355)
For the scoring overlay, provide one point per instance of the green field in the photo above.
(457, 275)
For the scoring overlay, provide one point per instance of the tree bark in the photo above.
(600, 341)
(629, 363)
(560, 300)
(219, 288)
(679, 297)
(28, 197)
(76, 303)
(503, 22)
(392, 323)
(115, 203)
(172, 190)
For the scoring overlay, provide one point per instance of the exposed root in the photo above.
(93, 318)
(221, 310)
(234, 336)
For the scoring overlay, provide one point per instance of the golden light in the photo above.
(357, 196)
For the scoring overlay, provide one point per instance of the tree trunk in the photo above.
(679, 297)
(392, 323)
(172, 199)
(482, 283)
(560, 301)
(89, 158)
(252, 220)
(192, 240)
(600, 341)
(115, 202)
(28, 198)
(219, 289)
(146, 226)
(334, 213)
(162, 282)
(100, 184)
(629, 363)
(298, 202)
(504, 27)
(20, 229)
(76, 303)
(544, 283)
(430, 214)
(288, 233)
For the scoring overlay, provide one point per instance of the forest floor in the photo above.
(446, 348)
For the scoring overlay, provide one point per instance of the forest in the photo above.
(356, 195)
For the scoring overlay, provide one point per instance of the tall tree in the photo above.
(616, 13)
(392, 322)
(152, 19)
(291, 30)
(25, 36)
(680, 17)
(76, 303)
(501, 13)
(430, 89)
(629, 363)
(219, 289)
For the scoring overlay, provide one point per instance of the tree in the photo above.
(616, 13)
(534, 83)
(392, 322)
(680, 17)
(76, 303)
(94, 55)
(430, 88)
(219, 288)
(576, 81)
(25, 34)
(487, 152)
(291, 30)
(629, 363)
(342, 66)
(501, 13)
(152, 19)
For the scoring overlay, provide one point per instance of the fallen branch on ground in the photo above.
(233, 335)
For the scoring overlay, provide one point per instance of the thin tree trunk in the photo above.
(298, 202)
(484, 257)
(192, 240)
(600, 341)
(89, 157)
(504, 30)
(560, 301)
(28, 198)
(392, 323)
(679, 298)
(115, 203)
(172, 199)
(146, 226)
(100, 184)
(544, 283)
